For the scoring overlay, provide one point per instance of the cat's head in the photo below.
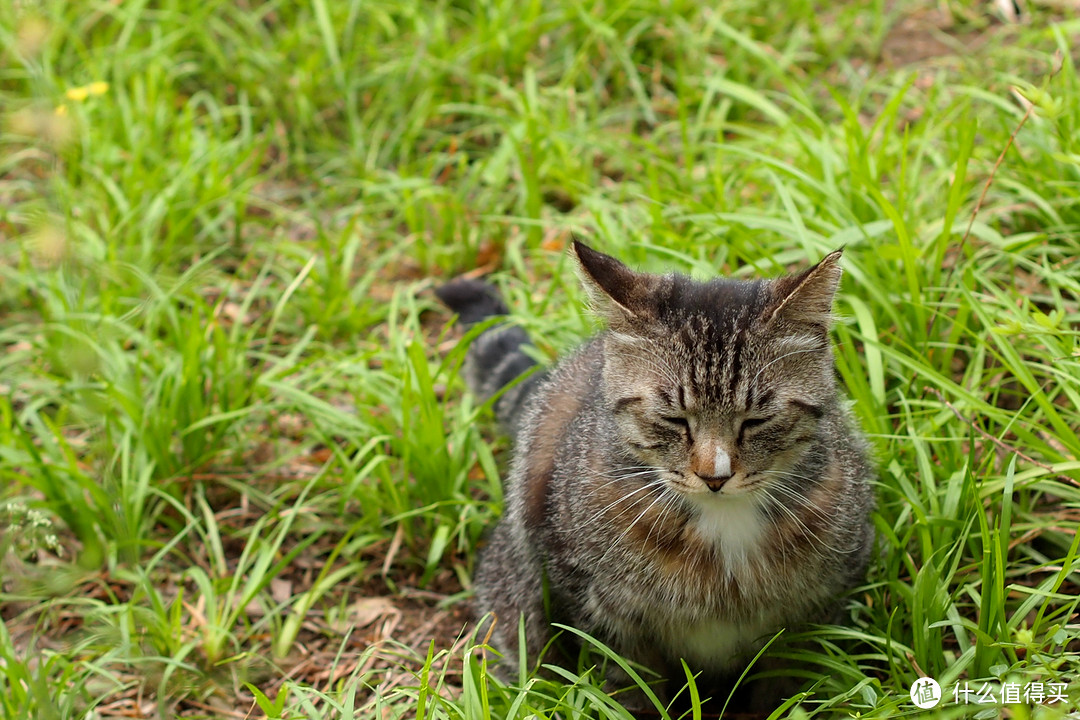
(721, 385)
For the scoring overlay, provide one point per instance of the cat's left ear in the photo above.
(618, 294)
(807, 298)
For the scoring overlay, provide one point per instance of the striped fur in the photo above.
(684, 485)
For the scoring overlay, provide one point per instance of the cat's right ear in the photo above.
(618, 294)
(807, 298)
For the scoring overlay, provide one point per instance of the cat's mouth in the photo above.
(690, 483)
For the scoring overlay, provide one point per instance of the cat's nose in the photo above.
(713, 468)
(714, 482)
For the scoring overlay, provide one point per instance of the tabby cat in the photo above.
(686, 484)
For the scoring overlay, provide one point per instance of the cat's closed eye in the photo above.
(750, 424)
(679, 422)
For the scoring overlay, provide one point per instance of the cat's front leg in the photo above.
(509, 589)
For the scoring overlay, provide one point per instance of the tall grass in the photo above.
(228, 393)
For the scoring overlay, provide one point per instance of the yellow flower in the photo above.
(78, 94)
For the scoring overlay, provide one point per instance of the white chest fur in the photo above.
(733, 525)
(716, 645)
(703, 624)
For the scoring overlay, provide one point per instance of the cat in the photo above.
(685, 485)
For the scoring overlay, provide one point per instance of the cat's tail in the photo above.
(497, 357)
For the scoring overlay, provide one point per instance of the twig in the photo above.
(1001, 157)
(395, 545)
(915, 664)
(998, 441)
(219, 710)
(986, 188)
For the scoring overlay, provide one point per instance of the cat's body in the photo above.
(685, 485)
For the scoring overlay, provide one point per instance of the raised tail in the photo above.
(497, 356)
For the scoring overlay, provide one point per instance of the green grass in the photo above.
(240, 476)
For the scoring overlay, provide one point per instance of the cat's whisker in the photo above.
(800, 498)
(657, 362)
(623, 476)
(668, 502)
(614, 471)
(788, 473)
(784, 474)
(660, 365)
(620, 478)
(618, 540)
(763, 499)
(622, 498)
(786, 355)
(652, 485)
(778, 503)
(802, 525)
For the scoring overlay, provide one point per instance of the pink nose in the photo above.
(715, 482)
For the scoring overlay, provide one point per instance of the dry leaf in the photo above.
(368, 610)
